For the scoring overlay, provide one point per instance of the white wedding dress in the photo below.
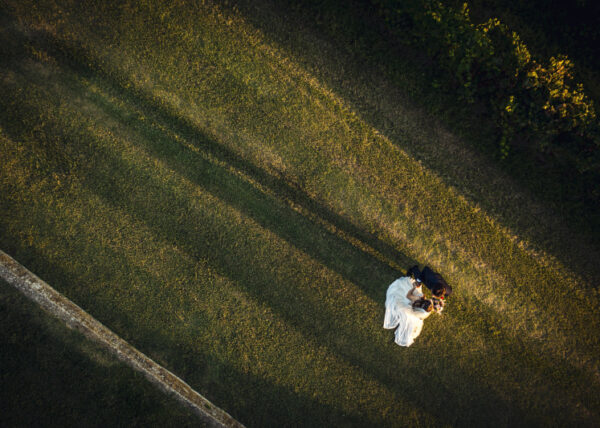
(399, 313)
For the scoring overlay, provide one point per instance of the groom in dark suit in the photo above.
(432, 280)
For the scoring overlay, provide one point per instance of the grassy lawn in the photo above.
(228, 210)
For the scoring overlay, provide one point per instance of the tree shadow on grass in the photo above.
(160, 212)
(231, 262)
(332, 251)
(271, 213)
(160, 208)
(357, 35)
(256, 401)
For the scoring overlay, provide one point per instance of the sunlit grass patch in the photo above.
(219, 207)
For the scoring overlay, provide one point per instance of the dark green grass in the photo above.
(54, 377)
(240, 224)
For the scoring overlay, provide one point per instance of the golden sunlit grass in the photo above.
(191, 186)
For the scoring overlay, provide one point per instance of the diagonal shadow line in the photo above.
(122, 321)
(351, 277)
(111, 192)
(219, 181)
(265, 287)
(257, 211)
(280, 188)
(357, 362)
(210, 374)
(283, 18)
(519, 346)
(264, 220)
(223, 255)
(153, 340)
(80, 60)
(316, 240)
(575, 263)
(109, 197)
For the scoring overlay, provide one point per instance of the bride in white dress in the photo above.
(405, 310)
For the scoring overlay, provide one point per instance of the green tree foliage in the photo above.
(536, 105)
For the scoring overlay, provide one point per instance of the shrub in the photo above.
(535, 105)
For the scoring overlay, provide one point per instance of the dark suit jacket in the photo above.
(432, 280)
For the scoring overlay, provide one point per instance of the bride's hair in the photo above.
(425, 304)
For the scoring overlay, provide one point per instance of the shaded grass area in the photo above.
(162, 214)
(52, 376)
(471, 176)
(251, 285)
(396, 89)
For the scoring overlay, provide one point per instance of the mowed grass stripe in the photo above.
(327, 178)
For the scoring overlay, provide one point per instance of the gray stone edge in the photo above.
(76, 318)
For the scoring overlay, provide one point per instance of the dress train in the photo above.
(399, 313)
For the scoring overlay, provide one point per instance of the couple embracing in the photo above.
(406, 305)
